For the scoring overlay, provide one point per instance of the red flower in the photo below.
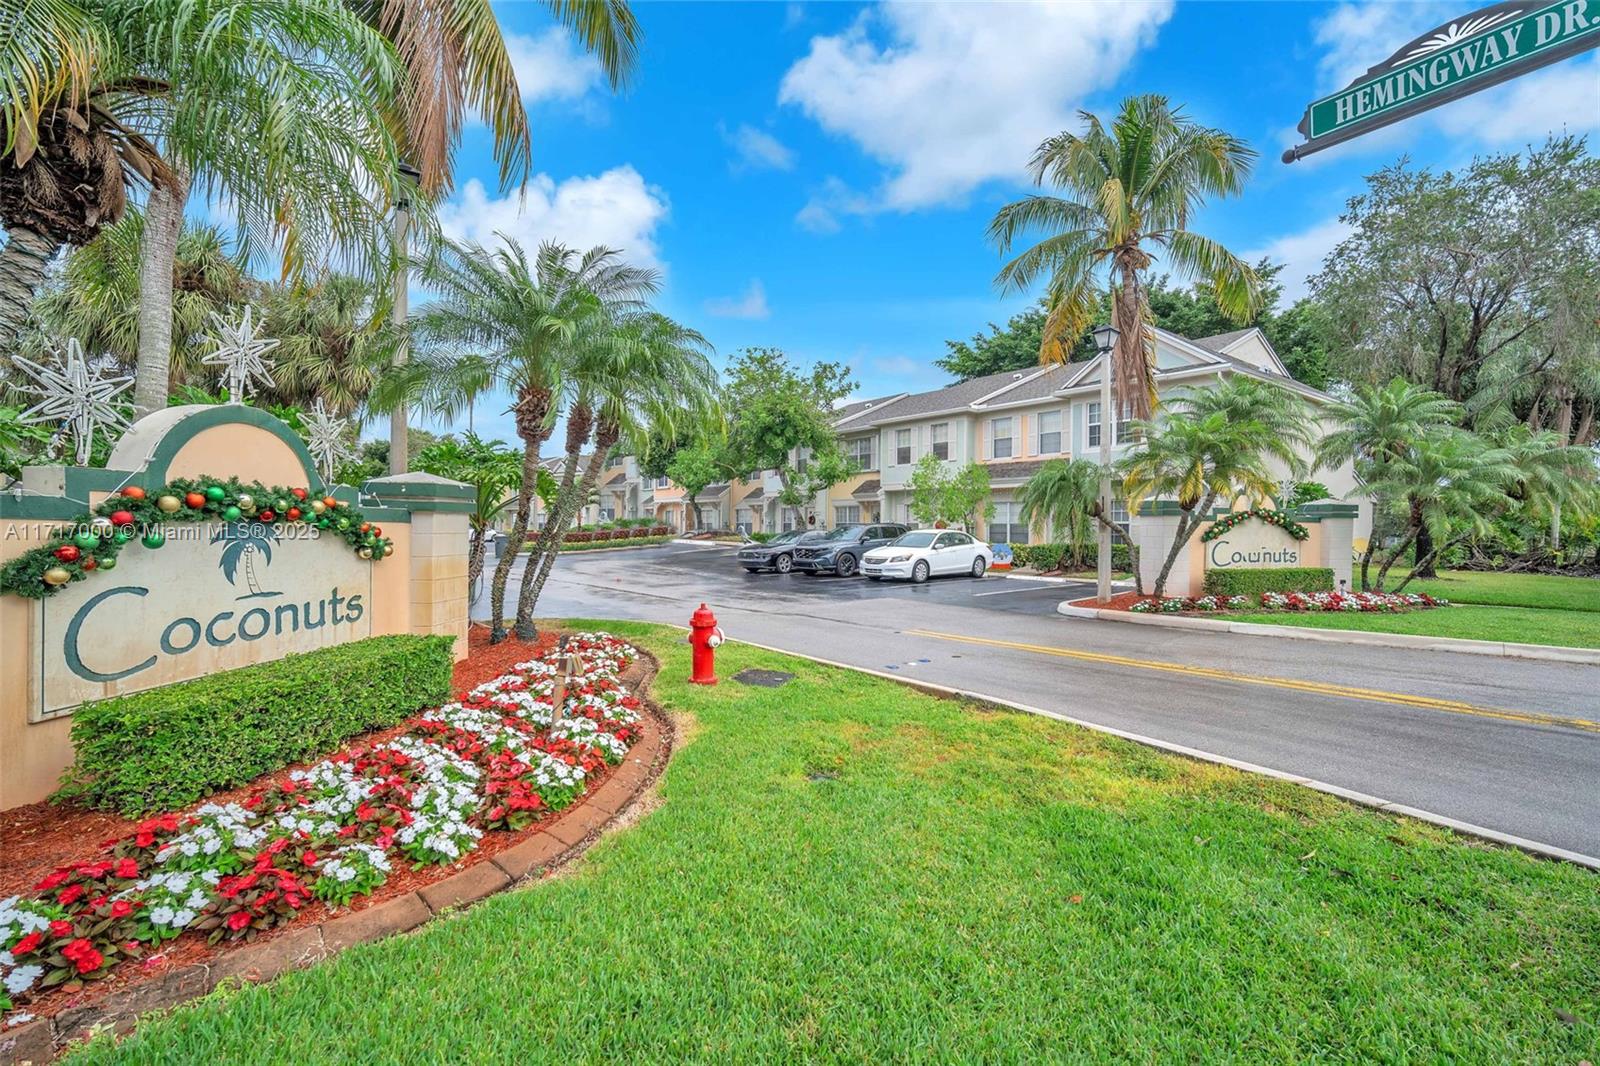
(309, 858)
(28, 943)
(53, 880)
(121, 908)
(60, 927)
(238, 920)
(83, 953)
(71, 893)
(127, 869)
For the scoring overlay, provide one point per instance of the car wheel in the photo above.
(979, 566)
(919, 573)
(845, 566)
(783, 564)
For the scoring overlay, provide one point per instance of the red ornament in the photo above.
(267, 515)
(294, 514)
(195, 500)
(298, 494)
(122, 518)
(377, 531)
(366, 527)
(133, 492)
(89, 563)
(67, 553)
(329, 501)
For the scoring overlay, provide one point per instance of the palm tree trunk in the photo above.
(532, 405)
(1135, 388)
(1400, 549)
(1186, 527)
(609, 432)
(1366, 556)
(475, 555)
(23, 261)
(579, 421)
(1425, 555)
(162, 222)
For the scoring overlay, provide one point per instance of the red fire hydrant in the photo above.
(704, 636)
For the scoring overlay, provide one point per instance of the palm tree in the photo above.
(1553, 477)
(333, 342)
(265, 103)
(1213, 448)
(1129, 195)
(505, 320)
(1376, 426)
(1065, 495)
(493, 469)
(244, 542)
(650, 374)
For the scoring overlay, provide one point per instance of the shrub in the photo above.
(169, 746)
(1270, 579)
(1056, 556)
(621, 542)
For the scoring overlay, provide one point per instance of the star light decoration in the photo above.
(325, 437)
(78, 397)
(241, 354)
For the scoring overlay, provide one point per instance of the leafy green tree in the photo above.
(925, 490)
(1131, 191)
(939, 494)
(693, 469)
(967, 496)
(1064, 494)
(492, 469)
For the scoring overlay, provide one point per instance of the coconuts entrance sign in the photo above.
(1463, 56)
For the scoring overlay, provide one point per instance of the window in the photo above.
(860, 452)
(1093, 424)
(1124, 432)
(662, 482)
(1049, 432)
(1000, 438)
(902, 447)
(613, 462)
(1007, 526)
(939, 439)
(846, 514)
(944, 540)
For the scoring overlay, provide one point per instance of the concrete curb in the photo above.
(1494, 836)
(551, 846)
(1460, 645)
(1060, 580)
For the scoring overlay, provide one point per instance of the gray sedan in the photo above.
(777, 553)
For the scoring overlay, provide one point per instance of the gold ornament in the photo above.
(247, 503)
(57, 575)
(169, 504)
(365, 553)
(317, 506)
(388, 549)
(342, 503)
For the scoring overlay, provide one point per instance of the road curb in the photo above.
(1364, 799)
(1459, 645)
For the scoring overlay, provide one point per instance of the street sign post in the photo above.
(1463, 56)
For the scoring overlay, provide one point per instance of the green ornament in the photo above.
(86, 540)
(215, 493)
(232, 514)
(153, 539)
(121, 536)
(108, 563)
(280, 505)
(343, 524)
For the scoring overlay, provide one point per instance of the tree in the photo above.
(1212, 448)
(782, 419)
(333, 342)
(506, 320)
(1064, 494)
(1014, 348)
(939, 494)
(491, 468)
(692, 469)
(1131, 192)
(967, 496)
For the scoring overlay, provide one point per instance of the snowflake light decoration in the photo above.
(78, 397)
(325, 437)
(242, 355)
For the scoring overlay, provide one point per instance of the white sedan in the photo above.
(925, 553)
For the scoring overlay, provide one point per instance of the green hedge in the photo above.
(1269, 579)
(626, 542)
(169, 746)
(1054, 556)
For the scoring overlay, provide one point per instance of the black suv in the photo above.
(839, 551)
(777, 553)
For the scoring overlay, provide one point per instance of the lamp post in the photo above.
(1105, 339)
(398, 445)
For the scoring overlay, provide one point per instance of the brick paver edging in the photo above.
(543, 851)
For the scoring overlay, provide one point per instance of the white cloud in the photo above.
(834, 198)
(753, 304)
(550, 67)
(950, 95)
(1302, 255)
(616, 208)
(756, 150)
(793, 15)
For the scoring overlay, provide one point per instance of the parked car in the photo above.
(777, 553)
(840, 550)
(925, 553)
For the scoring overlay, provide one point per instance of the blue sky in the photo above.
(818, 177)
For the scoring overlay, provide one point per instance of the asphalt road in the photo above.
(1494, 742)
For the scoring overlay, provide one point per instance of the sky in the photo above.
(818, 177)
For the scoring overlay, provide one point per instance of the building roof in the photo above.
(861, 414)
(713, 490)
(757, 493)
(1036, 386)
(1219, 341)
(1018, 471)
(959, 396)
(868, 490)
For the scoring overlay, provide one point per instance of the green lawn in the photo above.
(1508, 590)
(844, 870)
(1571, 629)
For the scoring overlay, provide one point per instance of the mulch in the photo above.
(1122, 601)
(36, 839)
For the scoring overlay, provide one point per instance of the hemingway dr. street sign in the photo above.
(1489, 46)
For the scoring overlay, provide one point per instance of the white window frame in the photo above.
(903, 447)
(858, 445)
(1009, 438)
(846, 514)
(1009, 525)
(1091, 424)
(938, 445)
(1056, 433)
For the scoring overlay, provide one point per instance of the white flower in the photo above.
(22, 978)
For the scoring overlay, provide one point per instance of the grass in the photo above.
(1521, 625)
(1546, 591)
(845, 870)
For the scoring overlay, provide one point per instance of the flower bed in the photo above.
(334, 831)
(1369, 602)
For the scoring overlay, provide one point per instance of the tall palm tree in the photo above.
(268, 104)
(1377, 425)
(1065, 494)
(333, 342)
(1129, 193)
(1554, 478)
(513, 322)
(650, 374)
(491, 468)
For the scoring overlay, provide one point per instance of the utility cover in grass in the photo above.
(763, 678)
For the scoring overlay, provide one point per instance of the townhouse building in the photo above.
(1012, 423)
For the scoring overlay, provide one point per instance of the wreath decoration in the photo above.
(90, 543)
(1268, 515)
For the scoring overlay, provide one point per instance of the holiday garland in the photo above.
(91, 542)
(1271, 517)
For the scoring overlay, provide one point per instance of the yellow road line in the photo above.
(1320, 688)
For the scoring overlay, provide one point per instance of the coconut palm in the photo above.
(512, 322)
(267, 104)
(1129, 193)
(333, 341)
(649, 374)
(493, 469)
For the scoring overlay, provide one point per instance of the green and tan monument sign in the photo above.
(1465, 55)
